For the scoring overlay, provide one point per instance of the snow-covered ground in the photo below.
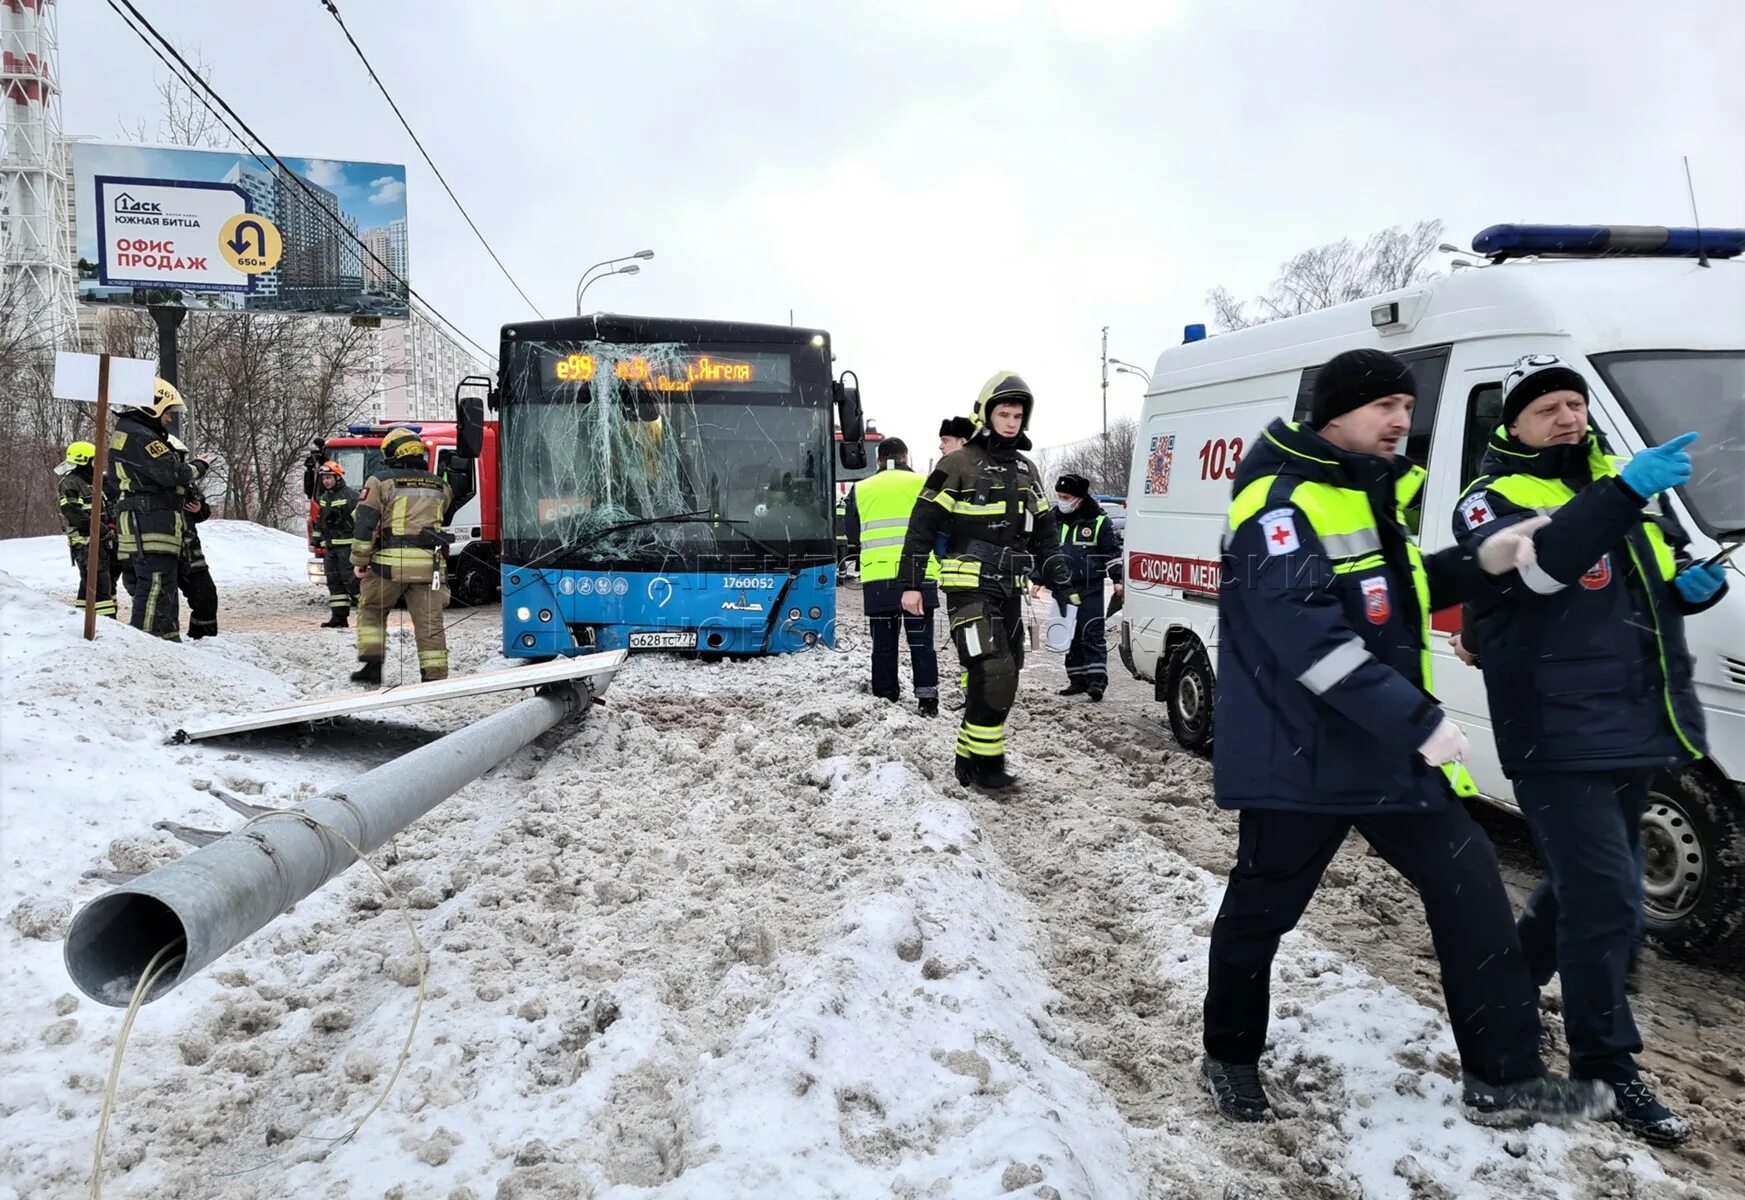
(737, 933)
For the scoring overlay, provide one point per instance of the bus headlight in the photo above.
(524, 613)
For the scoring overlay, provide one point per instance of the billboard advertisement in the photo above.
(225, 229)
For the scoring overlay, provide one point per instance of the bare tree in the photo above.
(34, 426)
(1335, 273)
(183, 119)
(1105, 460)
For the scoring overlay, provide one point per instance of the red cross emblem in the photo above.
(1480, 514)
(1281, 535)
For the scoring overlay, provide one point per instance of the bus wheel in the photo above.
(474, 579)
(1693, 877)
(1187, 692)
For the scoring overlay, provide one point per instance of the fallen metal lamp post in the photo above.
(220, 894)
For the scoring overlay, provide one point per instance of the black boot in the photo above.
(1075, 688)
(369, 674)
(1096, 694)
(985, 774)
(928, 706)
(336, 619)
(202, 629)
(1549, 1098)
(1642, 1113)
(1236, 1088)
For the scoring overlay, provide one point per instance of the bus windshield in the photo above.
(1669, 392)
(638, 455)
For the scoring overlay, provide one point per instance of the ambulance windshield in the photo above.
(1669, 392)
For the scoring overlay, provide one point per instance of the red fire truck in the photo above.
(473, 572)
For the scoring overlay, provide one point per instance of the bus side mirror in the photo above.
(469, 416)
(851, 420)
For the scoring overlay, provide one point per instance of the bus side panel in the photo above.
(1177, 499)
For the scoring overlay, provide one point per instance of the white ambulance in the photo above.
(1655, 318)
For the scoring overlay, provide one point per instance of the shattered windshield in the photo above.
(1669, 392)
(637, 455)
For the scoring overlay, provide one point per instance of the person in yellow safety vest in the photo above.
(876, 521)
(1326, 722)
(75, 504)
(335, 515)
(398, 548)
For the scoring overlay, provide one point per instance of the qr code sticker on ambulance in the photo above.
(1157, 467)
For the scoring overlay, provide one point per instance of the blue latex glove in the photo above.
(1699, 583)
(1655, 470)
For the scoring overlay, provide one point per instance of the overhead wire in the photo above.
(196, 83)
(381, 87)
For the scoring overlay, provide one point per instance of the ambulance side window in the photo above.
(1484, 410)
(1429, 364)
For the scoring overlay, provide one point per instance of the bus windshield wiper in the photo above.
(594, 535)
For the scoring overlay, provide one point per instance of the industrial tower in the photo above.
(36, 203)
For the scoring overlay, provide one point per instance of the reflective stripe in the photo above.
(1367, 563)
(1537, 578)
(1349, 545)
(886, 523)
(883, 539)
(1333, 666)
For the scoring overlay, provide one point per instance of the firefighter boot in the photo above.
(369, 674)
(985, 774)
(339, 618)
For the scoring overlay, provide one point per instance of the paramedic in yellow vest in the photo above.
(876, 519)
(398, 549)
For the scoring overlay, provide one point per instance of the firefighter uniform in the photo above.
(1092, 553)
(877, 521)
(987, 501)
(399, 543)
(193, 576)
(1590, 689)
(335, 516)
(152, 481)
(1325, 721)
(75, 504)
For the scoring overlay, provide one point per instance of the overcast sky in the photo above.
(956, 186)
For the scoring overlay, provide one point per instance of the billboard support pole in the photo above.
(100, 464)
(169, 318)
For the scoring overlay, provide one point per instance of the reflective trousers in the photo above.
(989, 636)
(424, 604)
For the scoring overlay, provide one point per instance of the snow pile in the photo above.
(240, 553)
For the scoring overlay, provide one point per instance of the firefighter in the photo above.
(988, 502)
(1590, 690)
(877, 521)
(193, 576)
(1326, 723)
(398, 550)
(335, 514)
(75, 504)
(1092, 553)
(152, 482)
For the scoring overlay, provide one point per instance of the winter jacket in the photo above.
(1089, 546)
(335, 515)
(152, 480)
(1324, 632)
(398, 533)
(1583, 653)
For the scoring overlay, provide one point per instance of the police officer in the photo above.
(75, 504)
(1326, 722)
(152, 480)
(335, 515)
(877, 521)
(954, 433)
(1590, 692)
(988, 502)
(398, 549)
(1092, 553)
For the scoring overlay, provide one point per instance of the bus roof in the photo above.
(620, 327)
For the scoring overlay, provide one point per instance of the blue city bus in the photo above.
(669, 484)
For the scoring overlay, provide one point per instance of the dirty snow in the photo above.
(737, 933)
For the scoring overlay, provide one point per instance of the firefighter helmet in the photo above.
(402, 444)
(332, 468)
(1004, 387)
(164, 397)
(79, 454)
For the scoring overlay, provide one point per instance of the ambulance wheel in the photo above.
(1187, 693)
(1693, 849)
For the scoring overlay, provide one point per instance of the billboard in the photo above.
(225, 229)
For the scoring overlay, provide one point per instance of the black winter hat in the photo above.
(1353, 379)
(957, 427)
(1073, 485)
(1536, 375)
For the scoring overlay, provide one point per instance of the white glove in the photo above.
(1448, 744)
(1512, 548)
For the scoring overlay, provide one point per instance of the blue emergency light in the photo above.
(1643, 241)
(365, 430)
(1193, 333)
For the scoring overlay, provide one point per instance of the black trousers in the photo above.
(156, 578)
(1087, 659)
(923, 660)
(988, 631)
(1492, 1002)
(1583, 922)
(105, 577)
(342, 583)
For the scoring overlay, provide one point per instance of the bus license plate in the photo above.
(665, 639)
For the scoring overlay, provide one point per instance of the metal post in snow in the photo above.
(100, 464)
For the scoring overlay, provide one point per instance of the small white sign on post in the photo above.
(131, 380)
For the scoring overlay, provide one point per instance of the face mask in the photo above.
(1066, 506)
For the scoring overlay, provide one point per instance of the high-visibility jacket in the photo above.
(1324, 663)
(881, 505)
(1584, 653)
(399, 525)
(152, 480)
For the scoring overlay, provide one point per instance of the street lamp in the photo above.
(630, 269)
(1127, 368)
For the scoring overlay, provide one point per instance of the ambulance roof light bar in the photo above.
(1500, 242)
